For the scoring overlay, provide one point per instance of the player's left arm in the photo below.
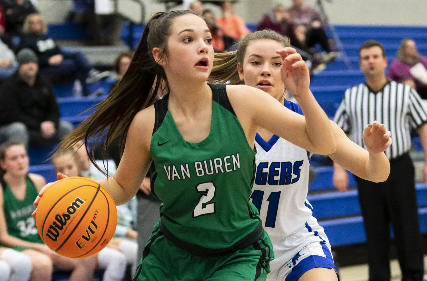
(371, 163)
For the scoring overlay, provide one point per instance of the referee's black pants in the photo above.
(392, 202)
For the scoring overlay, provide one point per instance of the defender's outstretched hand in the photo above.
(376, 138)
(295, 73)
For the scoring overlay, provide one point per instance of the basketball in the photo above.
(76, 217)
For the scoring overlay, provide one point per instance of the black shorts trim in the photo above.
(197, 250)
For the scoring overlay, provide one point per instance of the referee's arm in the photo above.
(422, 131)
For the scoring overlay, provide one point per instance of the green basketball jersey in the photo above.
(205, 186)
(19, 221)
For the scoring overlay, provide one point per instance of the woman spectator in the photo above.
(233, 25)
(121, 64)
(410, 65)
(122, 248)
(278, 19)
(220, 41)
(17, 193)
(56, 64)
(315, 30)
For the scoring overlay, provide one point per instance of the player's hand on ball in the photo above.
(76, 217)
(36, 202)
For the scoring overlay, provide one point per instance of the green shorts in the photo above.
(163, 260)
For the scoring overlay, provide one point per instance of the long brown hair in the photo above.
(401, 52)
(224, 69)
(136, 91)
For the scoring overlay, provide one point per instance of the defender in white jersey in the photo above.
(302, 250)
(280, 192)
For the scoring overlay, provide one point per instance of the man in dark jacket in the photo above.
(28, 106)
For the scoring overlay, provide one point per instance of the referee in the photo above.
(394, 201)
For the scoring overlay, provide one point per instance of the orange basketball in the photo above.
(76, 217)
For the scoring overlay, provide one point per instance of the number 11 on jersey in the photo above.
(257, 197)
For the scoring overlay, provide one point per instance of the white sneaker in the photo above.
(95, 76)
(327, 57)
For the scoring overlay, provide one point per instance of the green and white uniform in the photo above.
(208, 228)
(19, 221)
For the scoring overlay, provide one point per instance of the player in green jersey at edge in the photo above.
(200, 139)
(18, 189)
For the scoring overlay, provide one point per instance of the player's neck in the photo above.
(189, 101)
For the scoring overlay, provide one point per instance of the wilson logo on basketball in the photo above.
(61, 220)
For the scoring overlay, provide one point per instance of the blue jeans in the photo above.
(15, 131)
(75, 65)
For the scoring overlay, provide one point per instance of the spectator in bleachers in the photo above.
(278, 19)
(196, 7)
(220, 41)
(14, 265)
(410, 64)
(56, 64)
(114, 258)
(15, 12)
(8, 62)
(125, 236)
(28, 106)
(315, 30)
(105, 28)
(393, 202)
(18, 191)
(232, 24)
(121, 64)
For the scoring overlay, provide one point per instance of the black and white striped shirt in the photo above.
(397, 106)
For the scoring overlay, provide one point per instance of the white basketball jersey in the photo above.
(281, 184)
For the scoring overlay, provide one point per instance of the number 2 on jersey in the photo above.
(204, 207)
(257, 196)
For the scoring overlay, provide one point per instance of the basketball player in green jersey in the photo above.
(200, 139)
(18, 228)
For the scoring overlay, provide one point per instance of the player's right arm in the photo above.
(135, 161)
(371, 164)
